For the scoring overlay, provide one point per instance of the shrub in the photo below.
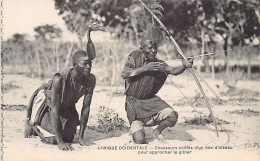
(9, 86)
(203, 120)
(108, 120)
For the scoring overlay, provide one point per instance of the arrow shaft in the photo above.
(213, 53)
(195, 56)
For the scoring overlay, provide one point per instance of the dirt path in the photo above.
(238, 118)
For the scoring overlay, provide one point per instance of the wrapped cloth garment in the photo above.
(141, 90)
(138, 109)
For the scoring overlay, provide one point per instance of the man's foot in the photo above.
(82, 142)
(65, 146)
(158, 136)
(28, 130)
(50, 140)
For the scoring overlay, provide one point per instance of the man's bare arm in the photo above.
(84, 118)
(177, 70)
(55, 113)
(131, 72)
(85, 110)
(174, 70)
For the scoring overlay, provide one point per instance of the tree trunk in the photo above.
(68, 55)
(47, 62)
(206, 60)
(57, 58)
(207, 65)
(202, 50)
(212, 66)
(134, 25)
(116, 68)
(226, 55)
(249, 66)
(113, 78)
(80, 42)
(39, 63)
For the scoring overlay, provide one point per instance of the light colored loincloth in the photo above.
(151, 121)
(37, 102)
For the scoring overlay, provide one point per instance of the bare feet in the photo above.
(158, 136)
(65, 146)
(50, 140)
(85, 143)
(82, 142)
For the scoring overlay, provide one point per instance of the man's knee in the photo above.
(139, 137)
(139, 140)
(172, 118)
(173, 114)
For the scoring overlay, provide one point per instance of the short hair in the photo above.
(79, 54)
(145, 41)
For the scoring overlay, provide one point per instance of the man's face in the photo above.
(150, 50)
(84, 67)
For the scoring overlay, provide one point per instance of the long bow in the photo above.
(192, 70)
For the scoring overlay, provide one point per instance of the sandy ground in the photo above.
(238, 118)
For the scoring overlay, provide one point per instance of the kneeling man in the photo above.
(144, 75)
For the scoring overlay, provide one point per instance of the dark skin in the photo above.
(84, 119)
(149, 50)
(80, 70)
(84, 67)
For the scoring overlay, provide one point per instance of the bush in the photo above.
(108, 120)
(203, 120)
(13, 107)
(9, 86)
(246, 113)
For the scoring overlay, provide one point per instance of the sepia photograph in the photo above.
(123, 80)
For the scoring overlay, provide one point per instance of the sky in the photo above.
(22, 16)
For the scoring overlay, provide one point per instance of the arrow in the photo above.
(195, 56)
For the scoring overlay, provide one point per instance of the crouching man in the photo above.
(51, 113)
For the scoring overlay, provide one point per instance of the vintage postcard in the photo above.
(130, 80)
